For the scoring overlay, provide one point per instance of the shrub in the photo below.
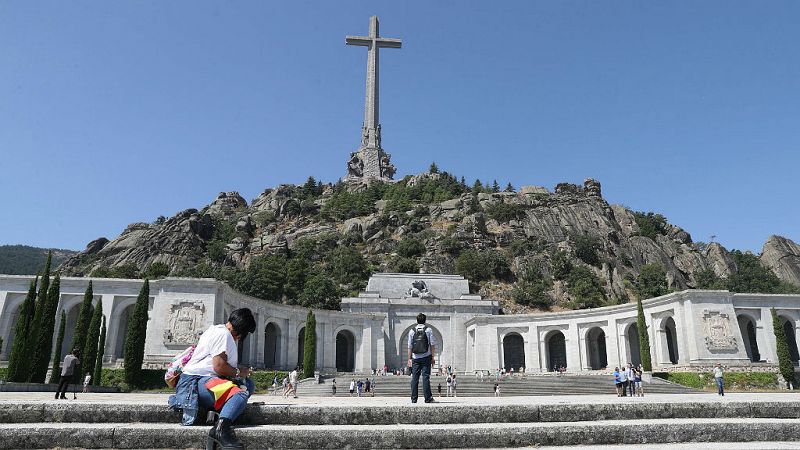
(584, 288)
(409, 247)
(451, 245)
(707, 279)
(400, 264)
(531, 289)
(521, 247)
(348, 266)
(481, 266)
(561, 265)
(320, 292)
(156, 270)
(505, 212)
(734, 381)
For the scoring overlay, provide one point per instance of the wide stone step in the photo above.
(474, 435)
(441, 413)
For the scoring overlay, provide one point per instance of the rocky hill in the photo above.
(26, 260)
(531, 247)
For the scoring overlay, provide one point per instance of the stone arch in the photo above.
(632, 342)
(9, 318)
(596, 348)
(748, 330)
(671, 337)
(345, 351)
(301, 346)
(513, 351)
(122, 321)
(556, 345)
(788, 326)
(272, 340)
(70, 327)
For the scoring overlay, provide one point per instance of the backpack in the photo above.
(419, 343)
(175, 367)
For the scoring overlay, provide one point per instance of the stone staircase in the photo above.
(470, 386)
(366, 424)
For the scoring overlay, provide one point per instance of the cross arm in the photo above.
(389, 43)
(365, 41)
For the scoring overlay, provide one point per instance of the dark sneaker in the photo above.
(431, 401)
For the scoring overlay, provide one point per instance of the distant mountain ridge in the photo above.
(567, 247)
(27, 260)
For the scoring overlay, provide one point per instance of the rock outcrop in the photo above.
(782, 256)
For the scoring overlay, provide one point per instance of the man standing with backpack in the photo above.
(421, 347)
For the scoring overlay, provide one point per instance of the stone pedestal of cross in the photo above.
(370, 161)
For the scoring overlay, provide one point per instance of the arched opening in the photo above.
(513, 352)
(402, 351)
(272, 336)
(301, 344)
(788, 331)
(11, 327)
(122, 330)
(243, 350)
(596, 348)
(345, 351)
(556, 351)
(672, 340)
(748, 330)
(632, 336)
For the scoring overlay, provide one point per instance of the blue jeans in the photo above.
(235, 405)
(421, 366)
(720, 386)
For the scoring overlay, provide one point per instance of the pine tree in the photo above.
(82, 326)
(433, 168)
(495, 186)
(644, 338)
(59, 343)
(134, 340)
(477, 186)
(18, 360)
(509, 188)
(31, 345)
(785, 365)
(310, 346)
(44, 341)
(97, 377)
(89, 354)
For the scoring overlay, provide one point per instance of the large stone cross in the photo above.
(372, 158)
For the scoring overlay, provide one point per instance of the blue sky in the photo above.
(118, 112)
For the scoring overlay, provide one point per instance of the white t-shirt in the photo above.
(214, 341)
(87, 380)
(431, 341)
(293, 377)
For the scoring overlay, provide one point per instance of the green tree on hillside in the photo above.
(135, 338)
(18, 360)
(97, 377)
(433, 168)
(651, 282)
(785, 365)
(310, 346)
(89, 355)
(59, 343)
(44, 343)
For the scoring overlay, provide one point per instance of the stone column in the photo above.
(770, 351)
(292, 347)
(613, 343)
(532, 351)
(762, 332)
(258, 358)
(682, 335)
(283, 345)
(573, 339)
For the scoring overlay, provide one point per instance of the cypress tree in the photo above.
(44, 341)
(84, 318)
(59, 343)
(18, 361)
(89, 354)
(785, 365)
(135, 338)
(101, 348)
(644, 338)
(310, 346)
(31, 345)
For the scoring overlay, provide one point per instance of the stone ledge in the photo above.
(439, 413)
(46, 435)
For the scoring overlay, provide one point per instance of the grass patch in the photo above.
(734, 381)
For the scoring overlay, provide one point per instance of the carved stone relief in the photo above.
(717, 331)
(184, 323)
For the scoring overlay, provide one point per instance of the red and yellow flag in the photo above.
(222, 390)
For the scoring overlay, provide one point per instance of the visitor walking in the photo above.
(497, 390)
(333, 387)
(454, 384)
(449, 385)
(359, 387)
(719, 380)
(367, 386)
(421, 347)
(352, 386)
(206, 379)
(631, 380)
(292, 383)
(623, 379)
(439, 389)
(67, 372)
(86, 380)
